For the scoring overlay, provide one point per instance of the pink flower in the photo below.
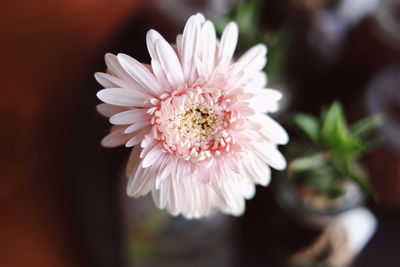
(195, 119)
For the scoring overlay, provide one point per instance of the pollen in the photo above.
(198, 122)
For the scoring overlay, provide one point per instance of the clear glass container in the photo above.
(156, 238)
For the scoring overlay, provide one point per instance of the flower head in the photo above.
(196, 120)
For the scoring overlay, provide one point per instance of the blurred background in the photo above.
(62, 200)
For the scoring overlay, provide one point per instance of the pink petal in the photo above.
(253, 60)
(109, 81)
(207, 48)
(138, 137)
(130, 116)
(123, 97)
(190, 39)
(133, 161)
(160, 75)
(271, 129)
(137, 126)
(151, 38)
(170, 63)
(115, 138)
(108, 110)
(141, 74)
(228, 43)
(268, 153)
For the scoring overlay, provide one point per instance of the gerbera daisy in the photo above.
(195, 118)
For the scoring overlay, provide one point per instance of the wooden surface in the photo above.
(44, 45)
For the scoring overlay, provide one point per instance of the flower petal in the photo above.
(170, 63)
(141, 74)
(160, 75)
(228, 43)
(138, 137)
(130, 116)
(108, 110)
(253, 60)
(151, 38)
(115, 138)
(207, 48)
(190, 39)
(271, 129)
(270, 154)
(108, 80)
(137, 126)
(123, 97)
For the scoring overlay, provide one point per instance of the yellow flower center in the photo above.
(199, 122)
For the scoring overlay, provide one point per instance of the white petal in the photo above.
(190, 39)
(148, 181)
(257, 169)
(151, 38)
(271, 129)
(149, 140)
(118, 76)
(233, 194)
(160, 75)
(141, 74)
(142, 181)
(170, 63)
(253, 60)
(138, 137)
(152, 156)
(228, 42)
(133, 161)
(137, 126)
(207, 48)
(270, 154)
(173, 204)
(201, 17)
(130, 116)
(115, 138)
(109, 81)
(263, 103)
(123, 97)
(148, 144)
(258, 81)
(134, 181)
(108, 110)
(161, 191)
(164, 171)
(246, 186)
(115, 68)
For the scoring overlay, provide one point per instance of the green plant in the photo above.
(332, 150)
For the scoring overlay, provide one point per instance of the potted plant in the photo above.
(325, 176)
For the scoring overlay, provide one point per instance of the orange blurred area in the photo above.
(44, 44)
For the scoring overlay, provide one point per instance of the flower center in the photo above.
(199, 122)
(195, 124)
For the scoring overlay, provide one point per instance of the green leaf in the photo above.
(334, 131)
(332, 122)
(308, 124)
(307, 163)
(363, 127)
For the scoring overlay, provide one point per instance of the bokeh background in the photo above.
(60, 191)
